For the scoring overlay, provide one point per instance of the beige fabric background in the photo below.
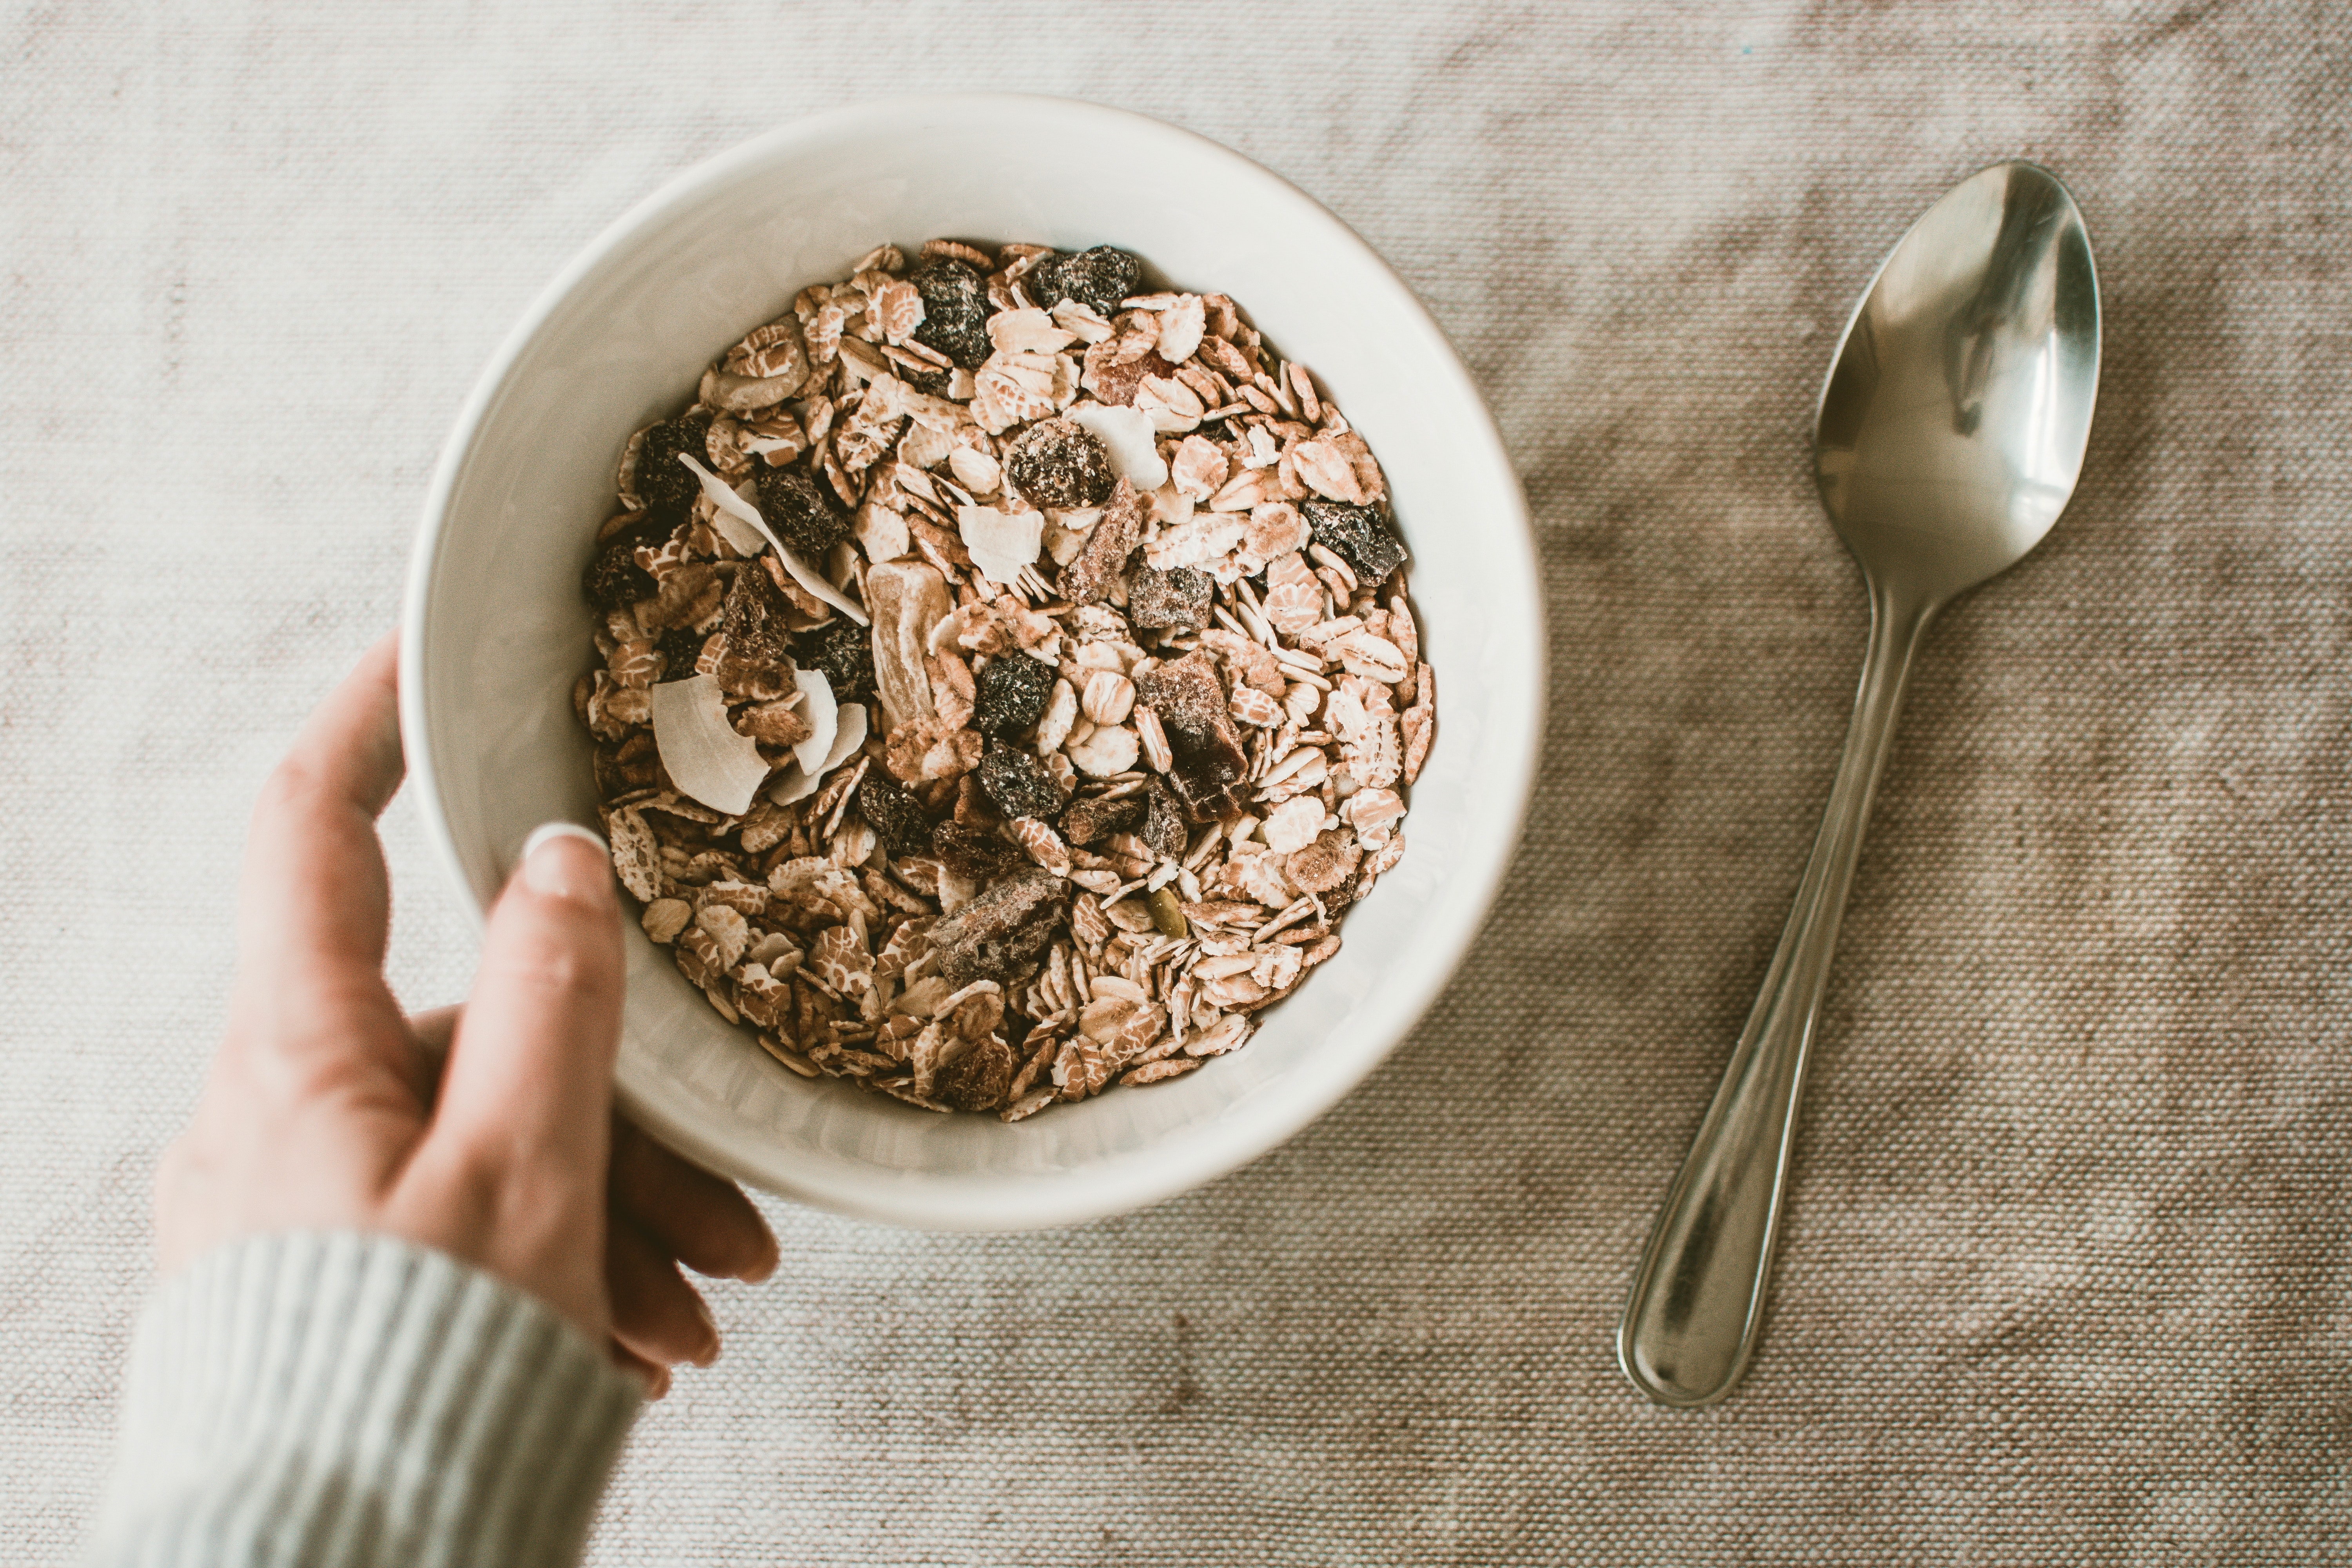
(2066, 1274)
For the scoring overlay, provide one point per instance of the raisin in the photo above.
(680, 647)
(1013, 691)
(1060, 463)
(1018, 782)
(1002, 934)
(756, 660)
(666, 483)
(974, 853)
(1097, 278)
(955, 309)
(1176, 600)
(1094, 819)
(843, 652)
(1357, 535)
(800, 513)
(613, 580)
(980, 1080)
(894, 814)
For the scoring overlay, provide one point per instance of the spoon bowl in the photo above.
(1958, 406)
(1950, 434)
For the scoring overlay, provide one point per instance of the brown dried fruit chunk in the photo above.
(1059, 463)
(974, 853)
(1114, 383)
(757, 658)
(772, 725)
(1092, 820)
(977, 1079)
(1191, 706)
(1002, 934)
(1088, 578)
(1173, 600)
(1164, 822)
(1321, 867)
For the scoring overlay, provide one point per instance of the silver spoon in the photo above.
(1949, 437)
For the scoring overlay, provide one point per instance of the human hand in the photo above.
(488, 1134)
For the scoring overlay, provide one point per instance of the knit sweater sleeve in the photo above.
(353, 1400)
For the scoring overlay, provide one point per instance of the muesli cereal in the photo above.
(1006, 679)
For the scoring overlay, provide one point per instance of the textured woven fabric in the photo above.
(2065, 1277)
(356, 1400)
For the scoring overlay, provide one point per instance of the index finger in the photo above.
(314, 905)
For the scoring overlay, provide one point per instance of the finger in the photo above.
(314, 900)
(655, 1378)
(703, 1221)
(434, 1028)
(656, 1313)
(527, 1088)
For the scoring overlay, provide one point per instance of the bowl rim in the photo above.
(1135, 1180)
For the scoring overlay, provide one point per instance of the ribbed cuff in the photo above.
(356, 1399)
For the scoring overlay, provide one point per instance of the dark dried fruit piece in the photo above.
(1356, 534)
(1060, 463)
(1092, 820)
(1205, 746)
(613, 580)
(955, 309)
(1163, 823)
(978, 1080)
(1097, 278)
(1018, 782)
(843, 652)
(757, 661)
(1013, 693)
(800, 513)
(1002, 934)
(680, 647)
(1176, 600)
(1103, 557)
(667, 484)
(974, 853)
(895, 816)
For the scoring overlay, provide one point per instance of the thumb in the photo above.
(526, 1100)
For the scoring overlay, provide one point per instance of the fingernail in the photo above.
(550, 865)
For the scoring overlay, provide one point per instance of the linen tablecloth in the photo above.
(2064, 1277)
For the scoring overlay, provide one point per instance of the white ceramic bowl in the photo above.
(495, 631)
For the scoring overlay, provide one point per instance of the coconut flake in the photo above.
(702, 752)
(816, 584)
(737, 519)
(1127, 433)
(1002, 542)
(822, 713)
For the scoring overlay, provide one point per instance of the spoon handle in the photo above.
(1699, 1295)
